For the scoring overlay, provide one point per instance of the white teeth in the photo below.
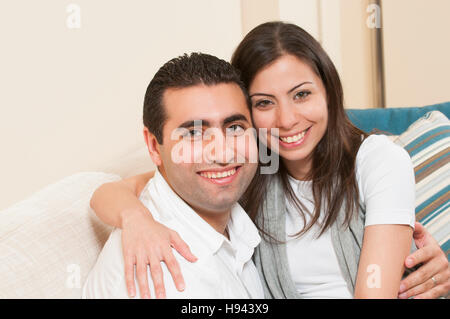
(293, 139)
(218, 174)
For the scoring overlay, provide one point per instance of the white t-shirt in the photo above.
(224, 268)
(385, 177)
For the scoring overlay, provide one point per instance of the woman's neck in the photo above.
(299, 169)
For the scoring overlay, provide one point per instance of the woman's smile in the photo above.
(294, 140)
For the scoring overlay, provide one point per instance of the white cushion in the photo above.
(50, 241)
(135, 162)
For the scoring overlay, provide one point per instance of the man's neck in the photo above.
(216, 220)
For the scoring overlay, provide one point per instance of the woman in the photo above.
(342, 201)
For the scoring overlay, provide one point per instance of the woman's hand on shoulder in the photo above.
(148, 242)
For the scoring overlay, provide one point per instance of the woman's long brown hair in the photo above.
(333, 173)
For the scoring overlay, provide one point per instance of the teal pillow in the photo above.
(428, 143)
(392, 120)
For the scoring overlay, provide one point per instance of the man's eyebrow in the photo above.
(235, 117)
(193, 123)
(297, 86)
(229, 119)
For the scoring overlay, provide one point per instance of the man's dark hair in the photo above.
(181, 72)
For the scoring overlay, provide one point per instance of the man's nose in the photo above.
(219, 149)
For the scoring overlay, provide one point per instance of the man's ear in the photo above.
(153, 147)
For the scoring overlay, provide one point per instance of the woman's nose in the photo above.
(286, 117)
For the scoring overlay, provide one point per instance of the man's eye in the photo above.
(235, 129)
(194, 133)
(302, 94)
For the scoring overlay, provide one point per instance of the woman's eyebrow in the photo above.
(273, 96)
(263, 94)
(297, 86)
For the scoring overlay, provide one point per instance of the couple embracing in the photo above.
(334, 220)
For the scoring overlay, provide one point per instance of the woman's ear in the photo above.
(152, 146)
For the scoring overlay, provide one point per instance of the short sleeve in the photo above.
(386, 182)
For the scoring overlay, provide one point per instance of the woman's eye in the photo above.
(262, 103)
(302, 94)
(235, 129)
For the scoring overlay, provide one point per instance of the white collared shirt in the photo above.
(224, 268)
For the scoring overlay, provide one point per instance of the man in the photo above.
(191, 102)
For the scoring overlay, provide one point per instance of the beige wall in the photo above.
(255, 12)
(357, 53)
(305, 13)
(417, 51)
(340, 26)
(341, 29)
(321, 19)
(71, 99)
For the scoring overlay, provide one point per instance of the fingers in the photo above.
(157, 278)
(419, 276)
(141, 274)
(418, 290)
(421, 255)
(140, 251)
(420, 235)
(182, 248)
(436, 292)
(129, 275)
(419, 230)
(174, 268)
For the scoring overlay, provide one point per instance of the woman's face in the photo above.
(289, 96)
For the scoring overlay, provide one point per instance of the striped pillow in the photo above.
(428, 143)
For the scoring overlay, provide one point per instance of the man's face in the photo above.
(207, 145)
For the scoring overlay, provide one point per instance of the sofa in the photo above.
(50, 241)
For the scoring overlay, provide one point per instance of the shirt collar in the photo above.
(244, 235)
(207, 236)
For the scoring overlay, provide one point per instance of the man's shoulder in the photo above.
(107, 277)
(108, 271)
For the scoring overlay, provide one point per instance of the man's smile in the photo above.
(220, 176)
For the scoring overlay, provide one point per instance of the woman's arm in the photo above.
(387, 184)
(144, 240)
(387, 177)
(381, 263)
(113, 202)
